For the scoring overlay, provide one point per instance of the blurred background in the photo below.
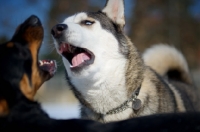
(148, 22)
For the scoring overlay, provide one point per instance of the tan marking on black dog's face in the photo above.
(26, 87)
(3, 107)
(33, 35)
(10, 45)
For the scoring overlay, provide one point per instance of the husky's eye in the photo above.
(87, 22)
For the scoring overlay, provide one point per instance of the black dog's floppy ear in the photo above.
(114, 9)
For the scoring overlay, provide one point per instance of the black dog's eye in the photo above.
(87, 22)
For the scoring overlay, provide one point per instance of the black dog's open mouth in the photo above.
(48, 66)
(77, 57)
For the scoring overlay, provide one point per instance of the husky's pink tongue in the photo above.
(79, 59)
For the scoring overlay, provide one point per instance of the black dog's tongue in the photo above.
(49, 66)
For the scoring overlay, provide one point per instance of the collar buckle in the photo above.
(136, 104)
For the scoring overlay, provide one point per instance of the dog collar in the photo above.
(136, 103)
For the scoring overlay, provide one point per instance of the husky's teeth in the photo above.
(64, 45)
(51, 62)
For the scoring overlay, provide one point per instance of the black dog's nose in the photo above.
(58, 29)
(33, 20)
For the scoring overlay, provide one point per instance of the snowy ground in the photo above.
(62, 111)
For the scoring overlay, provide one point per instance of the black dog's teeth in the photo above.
(42, 62)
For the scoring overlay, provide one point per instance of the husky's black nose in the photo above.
(58, 30)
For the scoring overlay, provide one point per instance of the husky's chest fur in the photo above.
(154, 94)
(104, 68)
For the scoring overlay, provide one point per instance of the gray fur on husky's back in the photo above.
(119, 71)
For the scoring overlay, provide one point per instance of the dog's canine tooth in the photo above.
(51, 62)
(41, 63)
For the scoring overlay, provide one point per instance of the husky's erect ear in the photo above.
(114, 9)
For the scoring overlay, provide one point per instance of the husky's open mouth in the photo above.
(77, 57)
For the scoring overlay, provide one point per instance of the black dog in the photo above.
(21, 74)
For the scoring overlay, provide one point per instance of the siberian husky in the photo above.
(109, 76)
